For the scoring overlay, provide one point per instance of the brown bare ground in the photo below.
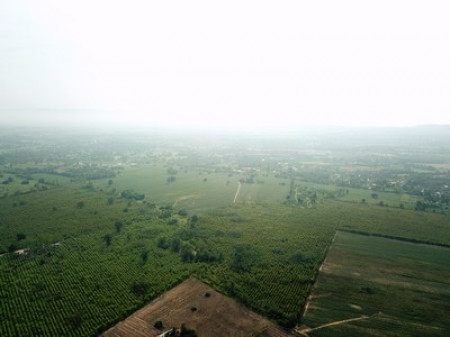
(214, 316)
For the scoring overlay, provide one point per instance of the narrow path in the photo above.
(237, 193)
(305, 331)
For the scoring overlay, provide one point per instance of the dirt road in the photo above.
(237, 193)
(305, 331)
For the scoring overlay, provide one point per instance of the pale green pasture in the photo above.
(392, 199)
(192, 192)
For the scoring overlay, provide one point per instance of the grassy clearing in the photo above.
(356, 195)
(196, 191)
(402, 287)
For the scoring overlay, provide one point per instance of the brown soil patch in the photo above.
(199, 307)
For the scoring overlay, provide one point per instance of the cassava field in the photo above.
(95, 226)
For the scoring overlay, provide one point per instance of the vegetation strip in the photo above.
(399, 238)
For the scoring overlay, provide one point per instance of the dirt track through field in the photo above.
(305, 331)
(183, 198)
(237, 193)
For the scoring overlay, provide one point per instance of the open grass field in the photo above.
(201, 308)
(356, 195)
(198, 192)
(370, 286)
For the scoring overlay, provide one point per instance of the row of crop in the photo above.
(81, 287)
(286, 250)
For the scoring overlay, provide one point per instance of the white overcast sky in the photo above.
(225, 63)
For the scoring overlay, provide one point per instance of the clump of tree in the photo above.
(175, 245)
(140, 289)
(89, 186)
(8, 181)
(132, 195)
(166, 212)
(107, 238)
(191, 251)
(182, 212)
(21, 236)
(12, 248)
(244, 258)
(163, 243)
(80, 204)
(118, 225)
(172, 222)
(193, 220)
(172, 171)
(88, 173)
(144, 256)
(159, 325)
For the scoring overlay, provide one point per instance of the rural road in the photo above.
(237, 193)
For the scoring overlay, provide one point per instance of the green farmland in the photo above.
(197, 191)
(92, 229)
(383, 287)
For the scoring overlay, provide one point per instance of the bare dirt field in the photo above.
(199, 307)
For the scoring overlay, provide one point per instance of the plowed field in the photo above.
(199, 307)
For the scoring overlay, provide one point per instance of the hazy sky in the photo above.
(229, 63)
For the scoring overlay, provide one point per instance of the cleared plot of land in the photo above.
(372, 286)
(199, 307)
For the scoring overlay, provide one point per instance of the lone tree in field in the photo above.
(118, 224)
(107, 239)
(12, 248)
(144, 256)
(21, 236)
(140, 289)
(80, 204)
(159, 325)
